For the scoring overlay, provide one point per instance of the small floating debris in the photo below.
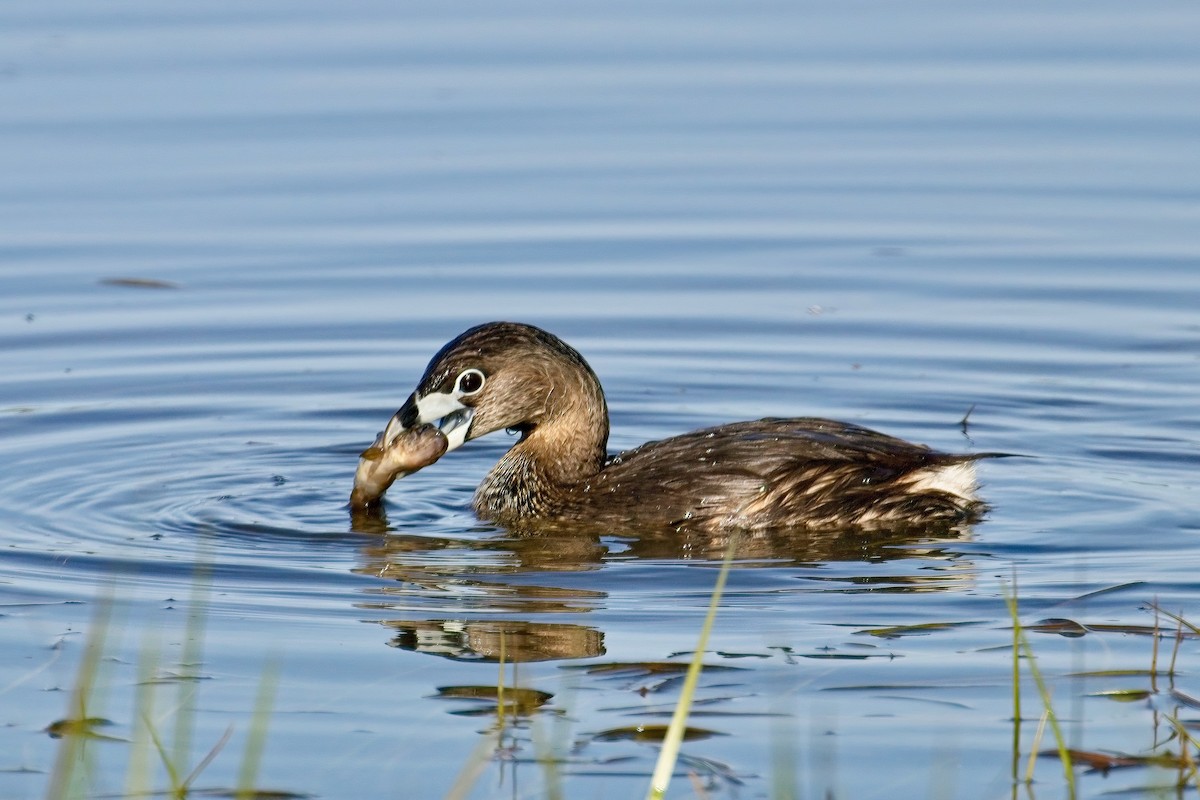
(85, 727)
(138, 283)
(651, 733)
(631, 668)
(165, 678)
(648, 677)
(514, 700)
(846, 656)
(725, 654)
(1072, 629)
(1103, 763)
(253, 794)
(923, 629)
(1123, 695)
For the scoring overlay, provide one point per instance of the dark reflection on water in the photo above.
(507, 641)
(437, 574)
(424, 560)
(569, 549)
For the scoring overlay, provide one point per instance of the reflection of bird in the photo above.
(512, 641)
(766, 474)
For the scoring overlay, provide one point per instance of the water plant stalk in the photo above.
(256, 739)
(1026, 649)
(64, 779)
(1016, 691)
(669, 753)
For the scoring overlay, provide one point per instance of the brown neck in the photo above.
(566, 449)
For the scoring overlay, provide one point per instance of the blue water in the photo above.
(892, 214)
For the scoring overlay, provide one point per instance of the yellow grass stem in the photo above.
(477, 762)
(483, 753)
(784, 758)
(256, 739)
(1016, 690)
(177, 787)
(1187, 762)
(1175, 649)
(63, 778)
(500, 686)
(551, 748)
(137, 774)
(1195, 629)
(190, 660)
(208, 759)
(1037, 745)
(1064, 752)
(670, 747)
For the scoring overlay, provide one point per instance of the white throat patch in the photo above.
(454, 416)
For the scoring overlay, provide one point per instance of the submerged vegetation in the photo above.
(533, 726)
(1175, 748)
(73, 774)
(1166, 704)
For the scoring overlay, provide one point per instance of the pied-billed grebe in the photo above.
(766, 474)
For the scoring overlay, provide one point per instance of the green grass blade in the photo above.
(1060, 741)
(71, 750)
(208, 759)
(137, 774)
(477, 762)
(482, 755)
(257, 738)
(669, 753)
(177, 787)
(190, 660)
(1016, 681)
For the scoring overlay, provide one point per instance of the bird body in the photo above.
(770, 473)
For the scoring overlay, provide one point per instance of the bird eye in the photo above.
(469, 381)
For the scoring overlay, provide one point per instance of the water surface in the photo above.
(900, 216)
